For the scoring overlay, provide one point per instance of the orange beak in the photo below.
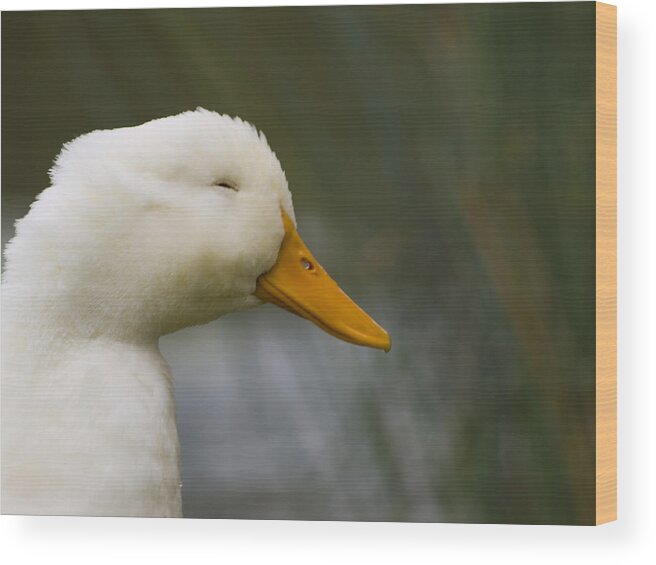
(299, 284)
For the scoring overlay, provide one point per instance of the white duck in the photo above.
(144, 231)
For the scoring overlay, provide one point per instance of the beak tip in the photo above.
(386, 343)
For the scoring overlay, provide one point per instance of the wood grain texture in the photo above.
(606, 253)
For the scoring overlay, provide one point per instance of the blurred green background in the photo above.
(441, 160)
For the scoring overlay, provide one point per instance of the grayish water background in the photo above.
(442, 164)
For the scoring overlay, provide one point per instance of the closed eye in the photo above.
(226, 184)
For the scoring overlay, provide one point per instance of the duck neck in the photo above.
(51, 319)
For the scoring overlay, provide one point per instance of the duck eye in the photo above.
(307, 265)
(226, 184)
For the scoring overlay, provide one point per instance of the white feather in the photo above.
(135, 238)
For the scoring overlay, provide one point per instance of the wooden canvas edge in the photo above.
(606, 263)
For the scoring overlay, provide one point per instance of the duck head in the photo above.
(173, 223)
